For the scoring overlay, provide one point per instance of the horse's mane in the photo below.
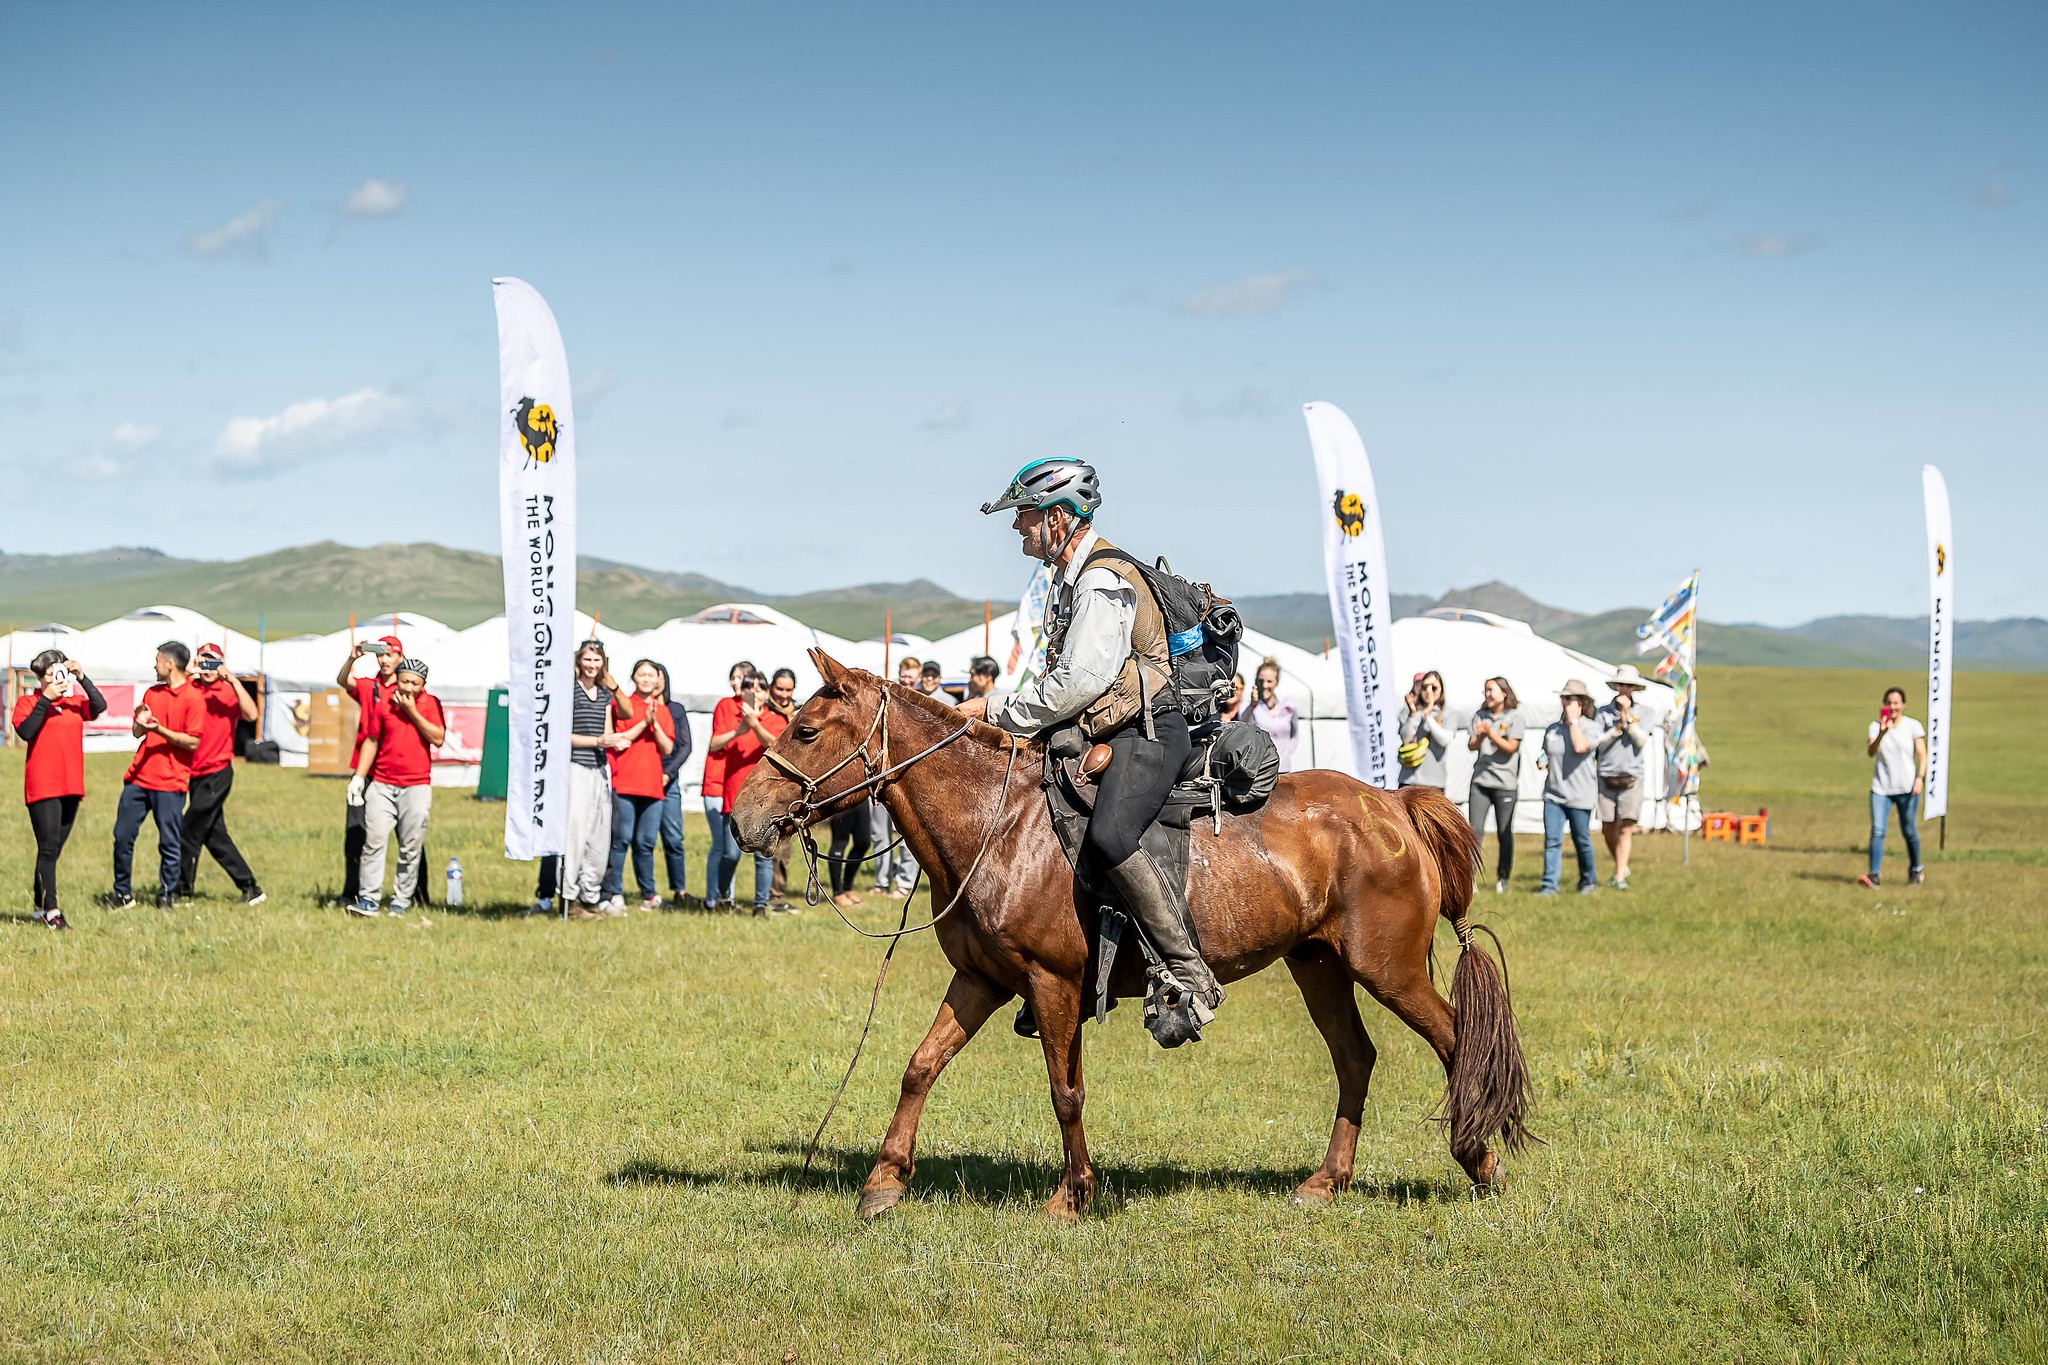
(981, 732)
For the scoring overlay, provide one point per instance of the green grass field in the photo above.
(1786, 1119)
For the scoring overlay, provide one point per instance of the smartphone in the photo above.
(1884, 713)
(374, 648)
(60, 675)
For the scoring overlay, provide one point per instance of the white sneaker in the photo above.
(1500, 888)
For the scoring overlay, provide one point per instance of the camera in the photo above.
(209, 664)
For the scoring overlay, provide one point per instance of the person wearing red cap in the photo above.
(226, 703)
(371, 692)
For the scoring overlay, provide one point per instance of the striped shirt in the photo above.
(588, 719)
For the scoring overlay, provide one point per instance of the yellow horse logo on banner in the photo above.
(535, 423)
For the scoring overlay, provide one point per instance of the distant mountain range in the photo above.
(313, 588)
(1831, 642)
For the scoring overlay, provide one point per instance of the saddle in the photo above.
(1229, 773)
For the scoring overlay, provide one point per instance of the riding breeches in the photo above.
(1134, 788)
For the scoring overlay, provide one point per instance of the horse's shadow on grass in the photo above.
(997, 1181)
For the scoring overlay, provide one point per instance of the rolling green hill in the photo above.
(313, 588)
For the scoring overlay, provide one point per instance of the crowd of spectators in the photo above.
(629, 746)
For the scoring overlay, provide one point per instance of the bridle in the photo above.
(797, 817)
(807, 805)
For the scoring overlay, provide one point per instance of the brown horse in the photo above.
(1341, 880)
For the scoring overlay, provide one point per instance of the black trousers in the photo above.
(852, 837)
(353, 837)
(206, 826)
(1141, 773)
(1501, 801)
(50, 820)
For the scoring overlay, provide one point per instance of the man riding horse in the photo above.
(1106, 666)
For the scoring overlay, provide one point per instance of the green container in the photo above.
(490, 783)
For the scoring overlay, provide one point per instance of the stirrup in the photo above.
(1173, 1013)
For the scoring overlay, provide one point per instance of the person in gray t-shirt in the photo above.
(1570, 787)
(1623, 737)
(1423, 726)
(1496, 743)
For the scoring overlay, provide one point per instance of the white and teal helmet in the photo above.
(1059, 481)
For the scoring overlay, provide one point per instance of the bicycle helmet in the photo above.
(1060, 481)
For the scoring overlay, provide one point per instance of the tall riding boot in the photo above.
(1183, 993)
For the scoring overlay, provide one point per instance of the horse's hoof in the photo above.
(1312, 1194)
(874, 1203)
(1060, 1209)
(1486, 1171)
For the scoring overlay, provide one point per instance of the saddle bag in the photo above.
(1241, 761)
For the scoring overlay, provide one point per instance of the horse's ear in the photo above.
(830, 669)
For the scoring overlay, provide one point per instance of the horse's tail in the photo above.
(1488, 1091)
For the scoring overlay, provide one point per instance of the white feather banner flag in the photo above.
(1355, 555)
(1941, 638)
(537, 529)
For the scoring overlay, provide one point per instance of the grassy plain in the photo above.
(1786, 1119)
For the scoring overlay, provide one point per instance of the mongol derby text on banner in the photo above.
(1355, 554)
(537, 527)
(1941, 638)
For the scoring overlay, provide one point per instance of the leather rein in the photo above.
(796, 819)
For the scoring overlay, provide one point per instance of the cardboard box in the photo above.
(331, 733)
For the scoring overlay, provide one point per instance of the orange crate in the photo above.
(1719, 824)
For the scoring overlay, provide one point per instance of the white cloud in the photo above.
(95, 467)
(946, 417)
(1995, 194)
(248, 235)
(1244, 298)
(590, 390)
(131, 437)
(374, 199)
(255, 446)
(1246, 405)
(1778, 246)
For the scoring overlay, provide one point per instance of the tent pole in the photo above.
(1944, 834)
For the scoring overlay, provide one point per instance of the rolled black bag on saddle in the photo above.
(1241, 760)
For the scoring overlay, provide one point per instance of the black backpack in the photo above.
(1202, 635)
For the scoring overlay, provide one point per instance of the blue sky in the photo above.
(1609, 293)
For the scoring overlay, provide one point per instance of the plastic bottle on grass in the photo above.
(454, 896)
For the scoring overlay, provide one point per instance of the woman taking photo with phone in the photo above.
(1424, 736)
(51, 722)
(1496, 743)
(1276, 717)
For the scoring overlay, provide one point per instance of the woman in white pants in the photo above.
(592, 703)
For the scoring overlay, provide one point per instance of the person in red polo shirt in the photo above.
(51, 722)
(394, 786)
(213, 777)
(168, 721)
(759, 725)
(645, 738)
(369, 692)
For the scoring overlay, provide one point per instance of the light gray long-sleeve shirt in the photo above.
(1104, 612)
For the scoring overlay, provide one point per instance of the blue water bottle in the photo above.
(454, 896)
